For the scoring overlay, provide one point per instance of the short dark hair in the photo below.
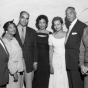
(54, 19)
(23, 12)
(39, 18)
(70, 8)
(6, 25)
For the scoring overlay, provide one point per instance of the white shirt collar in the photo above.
(20, 30)
(73, 23)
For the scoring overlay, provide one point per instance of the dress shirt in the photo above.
(70, 28)
(20, 30)
(72, 24)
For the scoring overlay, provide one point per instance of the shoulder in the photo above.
(64, 33)
(86, 29)
(85, 33)
(81, 23)
(5, 41)
(14, 39)
(50, 35)
(50, 32)
(31, 29)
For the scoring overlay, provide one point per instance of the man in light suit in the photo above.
(26, 37)
(72, 45)
(4, 57)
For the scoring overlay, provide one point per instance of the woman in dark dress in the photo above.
(41, 76)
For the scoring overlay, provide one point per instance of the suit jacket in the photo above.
(4, 74)
(72, 46)
(29, 48)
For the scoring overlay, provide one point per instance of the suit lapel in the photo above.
(18, 38)
(74, 27)
(26, 34)
(29, 36)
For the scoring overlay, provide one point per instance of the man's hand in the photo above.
(35, 66)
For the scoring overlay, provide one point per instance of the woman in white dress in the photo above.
(58, 76)
(16, 62)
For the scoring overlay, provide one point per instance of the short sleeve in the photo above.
(50, 40)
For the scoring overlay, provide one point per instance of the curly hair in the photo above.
(55, 19)
(6, 25)
(39, 18)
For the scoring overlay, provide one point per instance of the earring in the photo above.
(6, 31)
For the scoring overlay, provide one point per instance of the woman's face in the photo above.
(11, 29)
(42, 24)
(57, 25)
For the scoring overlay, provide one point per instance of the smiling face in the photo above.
(42, 24)
(57, 25)
(70, 14)
(11, 29)
(24, 19)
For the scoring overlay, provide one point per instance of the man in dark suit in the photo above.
(4, 74)
(72, 45)
(26, 37)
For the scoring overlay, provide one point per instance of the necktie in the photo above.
(22, 36)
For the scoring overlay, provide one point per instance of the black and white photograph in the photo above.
(43, 43)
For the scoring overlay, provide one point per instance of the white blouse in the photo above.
(16, 57)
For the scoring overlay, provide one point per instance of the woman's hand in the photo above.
(15, 76)
(51, 69)
(84, 69)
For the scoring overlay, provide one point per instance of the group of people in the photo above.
(42, 59)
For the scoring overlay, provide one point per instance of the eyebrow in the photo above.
(24, 17)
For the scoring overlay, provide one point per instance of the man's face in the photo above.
(24, 19)
(70, 14)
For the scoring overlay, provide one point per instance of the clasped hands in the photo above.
(84, 70)
(15, 76)
(51, 69)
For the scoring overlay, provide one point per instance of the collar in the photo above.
(73, 23)
(20, 27)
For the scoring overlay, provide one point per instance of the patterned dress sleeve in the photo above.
(82, 47)
(81, 54)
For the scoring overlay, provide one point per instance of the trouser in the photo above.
(75, 79)
(3, 86)
(29, 79)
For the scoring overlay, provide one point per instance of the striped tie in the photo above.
(22, 36)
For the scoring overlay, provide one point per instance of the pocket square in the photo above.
(74, 33)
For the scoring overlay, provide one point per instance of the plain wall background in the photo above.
(10, 9)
